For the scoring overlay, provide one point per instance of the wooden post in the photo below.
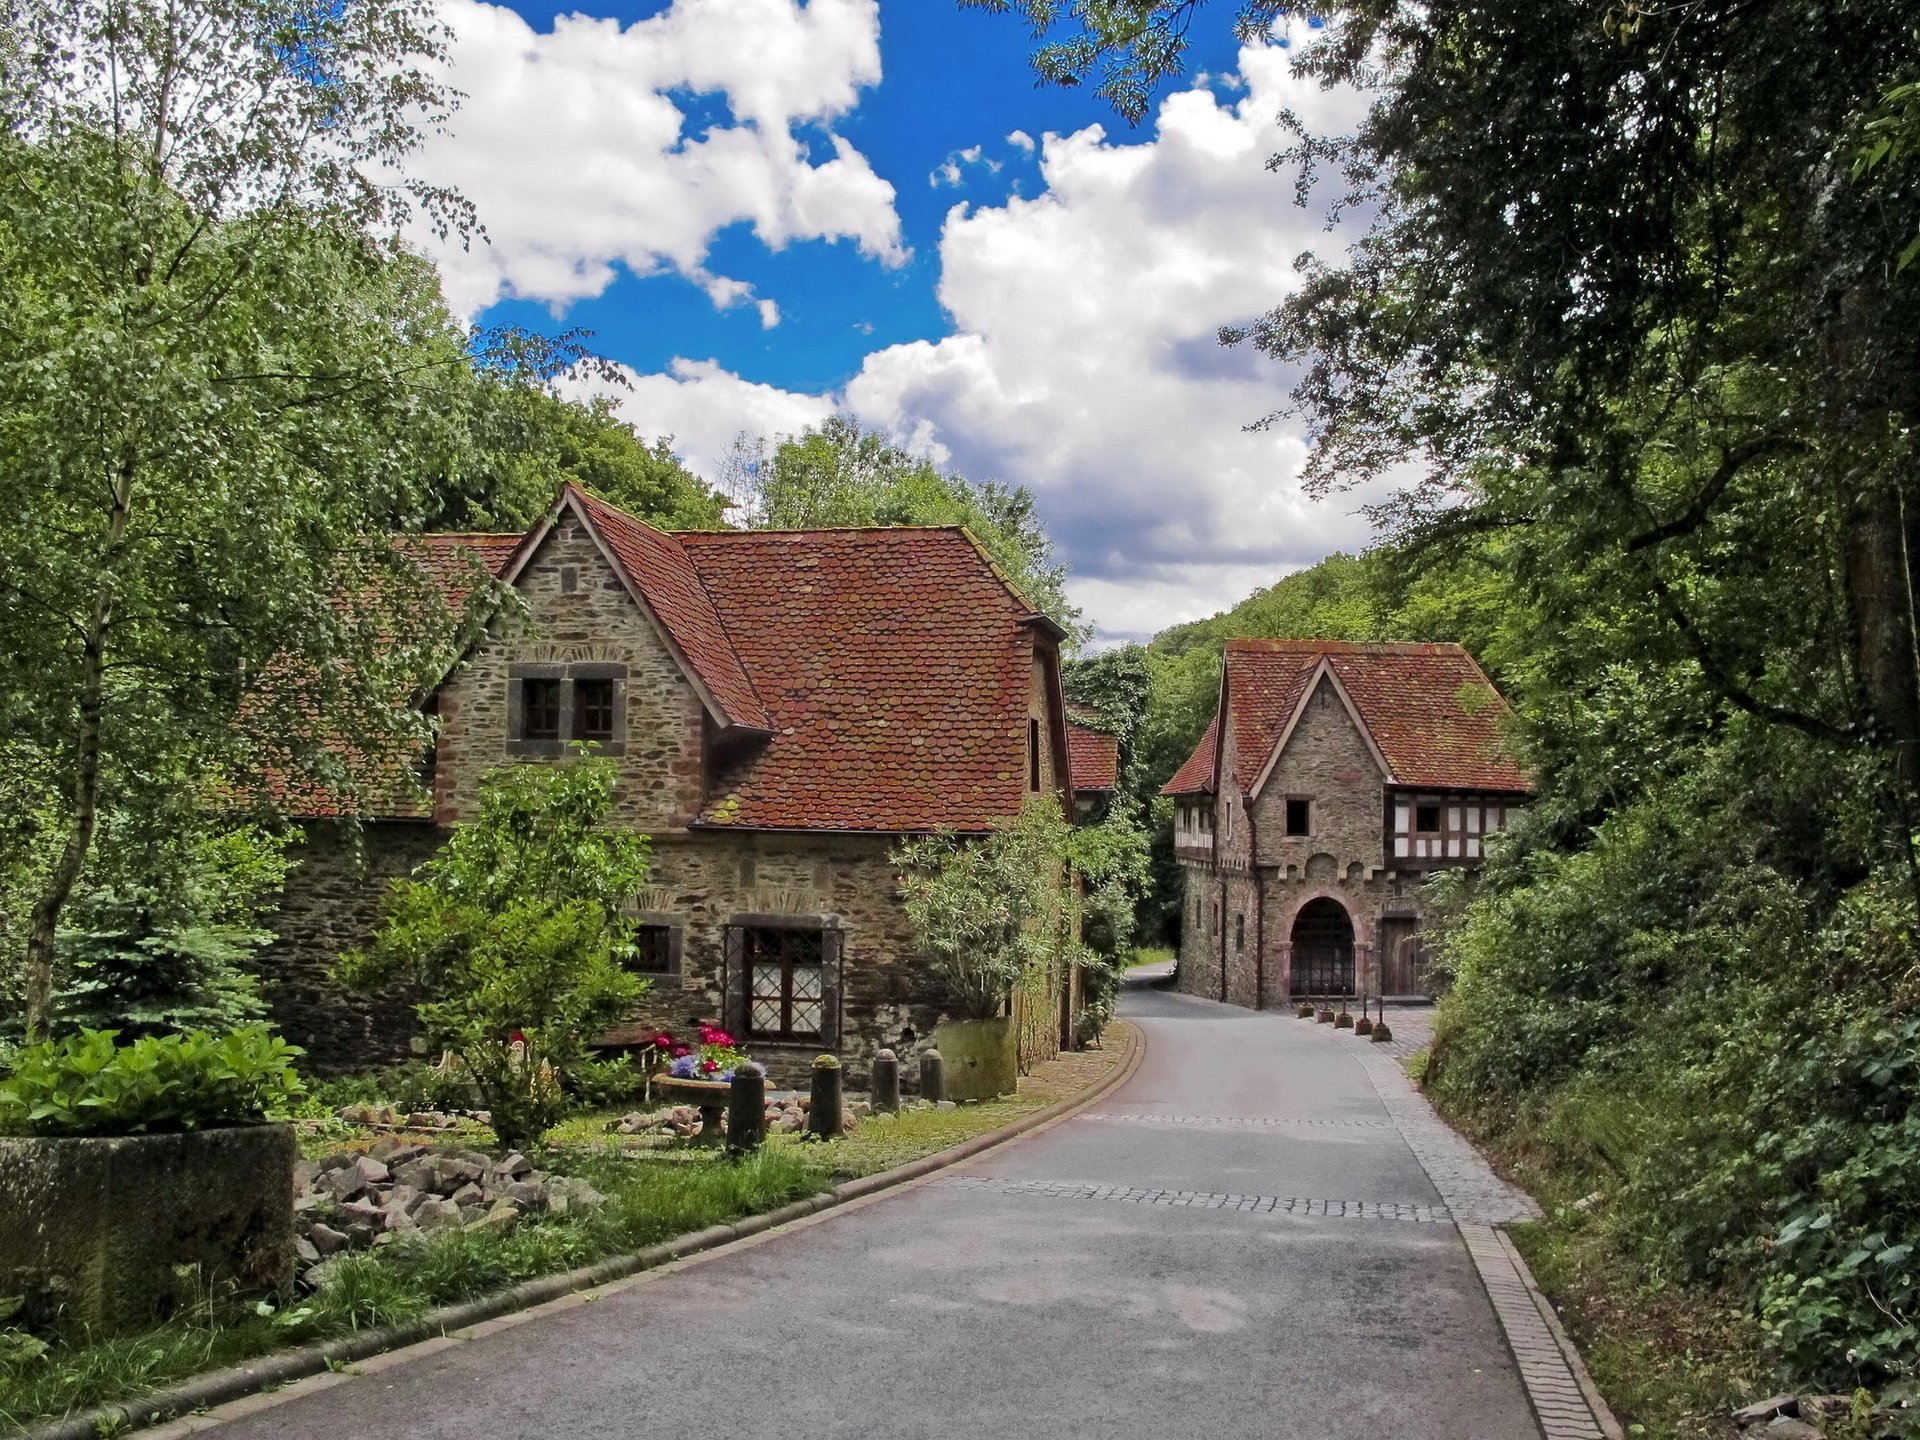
(823, 1110)
(933, 1076)
(746, 1110)
(886, 1083)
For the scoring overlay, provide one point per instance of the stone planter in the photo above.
(981, 1057)
(116, 1233)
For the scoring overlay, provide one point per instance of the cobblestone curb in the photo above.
(394, 1344)
(1558, 1386)
(1564, 1398)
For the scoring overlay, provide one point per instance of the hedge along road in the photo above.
(1059, 1285)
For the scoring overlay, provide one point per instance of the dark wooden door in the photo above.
(1401, 957)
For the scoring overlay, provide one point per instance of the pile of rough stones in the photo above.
(785, 1113)
(1789, 1417)
(395, 1190)
(386, 1117)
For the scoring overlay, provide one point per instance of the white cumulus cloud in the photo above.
(574, 146)
(1083, 360)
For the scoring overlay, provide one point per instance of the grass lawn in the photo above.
(655, 1191)
(1672, 1361)
(1148, 955)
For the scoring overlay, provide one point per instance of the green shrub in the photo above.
(412, 1086)
(515, 934)
(87, 1084)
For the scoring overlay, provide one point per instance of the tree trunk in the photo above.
(1875, 565)
(85, 793)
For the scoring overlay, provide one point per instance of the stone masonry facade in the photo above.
(1248, 880)
(583, 623)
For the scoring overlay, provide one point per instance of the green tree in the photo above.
(515, 935)
(990, 911)
(221, 385)
(843, 474)
(527, 441)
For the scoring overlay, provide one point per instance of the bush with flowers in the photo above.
(715, 1056)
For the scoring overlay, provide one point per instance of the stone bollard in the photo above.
(746, 1110)
(823, 1110)
(1381, 1033)
(886, 1083)
(933, 1077)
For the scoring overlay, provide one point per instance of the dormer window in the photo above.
(540, 708)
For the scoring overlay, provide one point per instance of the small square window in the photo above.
(593, 709)
(1299, 816)
(540, 709)
(652, 950)
(1426, 819)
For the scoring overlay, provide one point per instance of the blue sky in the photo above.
(771, 210)
(953, 80)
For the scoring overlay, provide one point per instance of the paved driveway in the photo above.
(1307, 1283)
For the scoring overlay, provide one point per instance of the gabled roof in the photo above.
(897, 668)
(1428, 711)
(1093, 756)
(661, 577)
(860, 679)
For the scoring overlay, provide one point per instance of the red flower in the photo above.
(663, 1040)
(709, 1065)
(680, 1050)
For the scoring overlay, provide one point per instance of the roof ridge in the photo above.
(1308, 646)
(809, 530)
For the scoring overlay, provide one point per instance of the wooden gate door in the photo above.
(1403, 969)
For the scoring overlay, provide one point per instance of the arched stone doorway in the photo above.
(1322, 949)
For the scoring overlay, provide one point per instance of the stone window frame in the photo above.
(566, 672)
(736, 982)
(673, 976)
(1305, 832)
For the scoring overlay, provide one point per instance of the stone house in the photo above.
(1333, 779)
(783, 707)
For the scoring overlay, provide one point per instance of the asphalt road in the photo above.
(1042, 1289)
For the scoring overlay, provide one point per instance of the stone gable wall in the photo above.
(658, 740)
(1326, 762)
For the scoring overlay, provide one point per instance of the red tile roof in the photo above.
(1093, 758)
(383, 775)
(896, 665)
(658, 567)
(451, 558)
(1429, 709)
(1195, 775)
(877, 679)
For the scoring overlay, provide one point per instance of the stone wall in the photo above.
(331, 905)
(699, 882)
(100, 1235)
(1327, 763)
